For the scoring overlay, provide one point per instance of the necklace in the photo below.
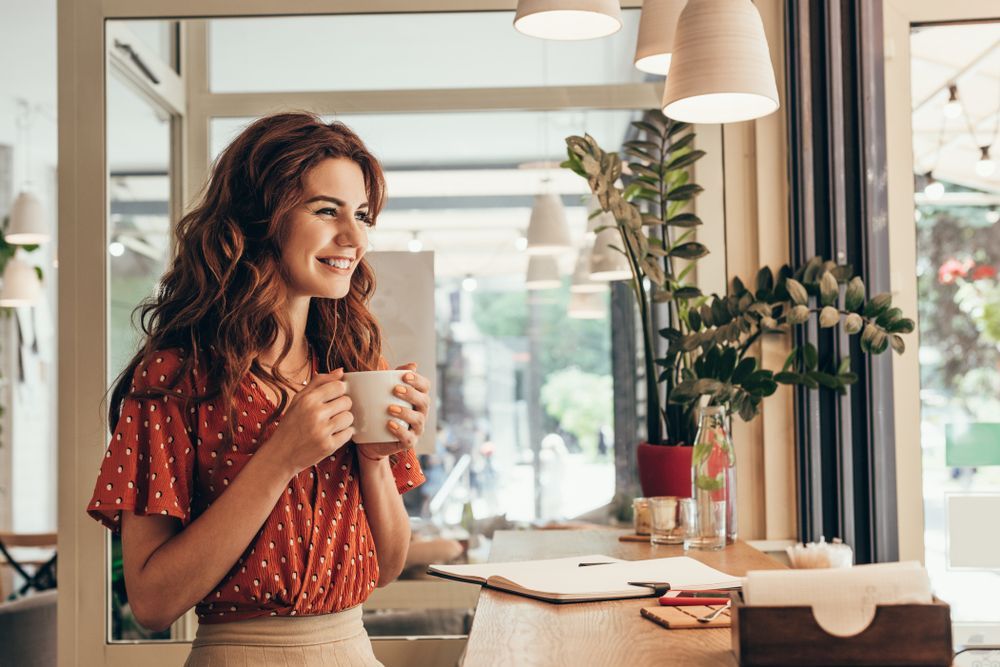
(309, 365)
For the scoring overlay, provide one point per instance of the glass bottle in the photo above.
(713, 477)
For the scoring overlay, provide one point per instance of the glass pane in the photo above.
(138, 231)
(958, 256)
(408, 51)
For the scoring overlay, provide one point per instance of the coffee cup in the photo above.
(371, 395)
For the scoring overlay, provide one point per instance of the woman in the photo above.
(231, 474)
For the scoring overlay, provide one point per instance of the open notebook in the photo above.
(564, 580)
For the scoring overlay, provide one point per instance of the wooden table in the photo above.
(513, 630)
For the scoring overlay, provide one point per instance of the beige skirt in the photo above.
(325, 640)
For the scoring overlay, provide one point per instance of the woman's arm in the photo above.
(169, 570)
(386, 516)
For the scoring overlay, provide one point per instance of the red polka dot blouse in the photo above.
(313, 555)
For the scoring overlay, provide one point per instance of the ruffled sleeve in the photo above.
(148, 467)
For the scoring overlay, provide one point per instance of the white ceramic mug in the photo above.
(371, 395)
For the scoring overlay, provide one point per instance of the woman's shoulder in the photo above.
(164, 369)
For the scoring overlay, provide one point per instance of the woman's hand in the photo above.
(416, 391)
(317, 423)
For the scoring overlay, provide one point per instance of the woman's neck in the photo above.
(297, 312)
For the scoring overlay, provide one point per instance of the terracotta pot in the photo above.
(664, 470)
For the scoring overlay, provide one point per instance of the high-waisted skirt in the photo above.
(326, 640)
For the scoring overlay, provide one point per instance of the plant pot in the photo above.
(664, 470)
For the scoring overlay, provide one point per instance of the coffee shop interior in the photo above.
(706, 290)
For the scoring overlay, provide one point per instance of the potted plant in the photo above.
(710, 356)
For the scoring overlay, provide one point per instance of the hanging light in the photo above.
(543, 273)
(985, 166)
(586, 306)
(568, 19)
(415, 244)
(952, 108)
(548, 232)
(21, 286)
(606, 263)
(934, 189)
(116, 249)
(469, 283)
(721, 67)
(657, 26)
(582, 282)
(27, 221)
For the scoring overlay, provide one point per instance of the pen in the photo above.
(589, 564)
(701, 594)
(668, 601)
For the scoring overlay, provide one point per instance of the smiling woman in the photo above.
(231, 474)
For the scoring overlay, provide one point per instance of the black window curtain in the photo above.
(838, 209)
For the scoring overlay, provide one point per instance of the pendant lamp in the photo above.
(721, 68)
(582, 282)
(21, 286)
(606, 263)
(586, 306)
(27, 221)
(548, 231)
(543, 273)
(568, 19)
(657, 26)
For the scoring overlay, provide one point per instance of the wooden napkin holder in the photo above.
(905, 634)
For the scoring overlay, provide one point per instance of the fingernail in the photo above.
(395, 409)
(408, 377)
(400, 389)
(394, 426)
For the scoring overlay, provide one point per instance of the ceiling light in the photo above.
(548, 232)
(469, 283)
(952, 108)
(721, 67)
(582, 282)
(543, 273)
(607, 263)
(657, 26)
(415, 244)
(934, 188)
(985, 166)
(116, 249)
(568, 19)
(21, 286)
(27, 221)
(586, 306)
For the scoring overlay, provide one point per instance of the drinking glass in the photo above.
(665, 525)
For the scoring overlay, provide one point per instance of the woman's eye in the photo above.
(327, 211)
(365, 218)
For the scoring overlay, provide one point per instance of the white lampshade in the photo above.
(582, 282)
(721, 68)
(543, 273)
(21, 286)
(568, 19)
(548, 232)
(586, 306)
(657, 26)
(606, 263)
(27, 221)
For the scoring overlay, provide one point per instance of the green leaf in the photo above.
(898, 345)
(685, 160)
(828, 289)
(765, 281)
(684, 220)
(855, 295)
(684, 192)
(687, 292)
(648, 128)
(643, 170)
(694, 320)
(825, 379)
(681, 143)
(810, 357)
(689, 250)
(790, 359)
(902, 326)
(797, 292)
(788, 378)
(743, 370)
(878, 304)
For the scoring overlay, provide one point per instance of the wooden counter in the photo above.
(513, 630)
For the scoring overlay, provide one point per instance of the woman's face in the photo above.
(327, 231)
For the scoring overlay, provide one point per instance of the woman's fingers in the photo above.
(407, 438)
(415, 419)
(415, 379)
(418, 399)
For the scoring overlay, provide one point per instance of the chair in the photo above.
(43, 576)
(28, 630)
